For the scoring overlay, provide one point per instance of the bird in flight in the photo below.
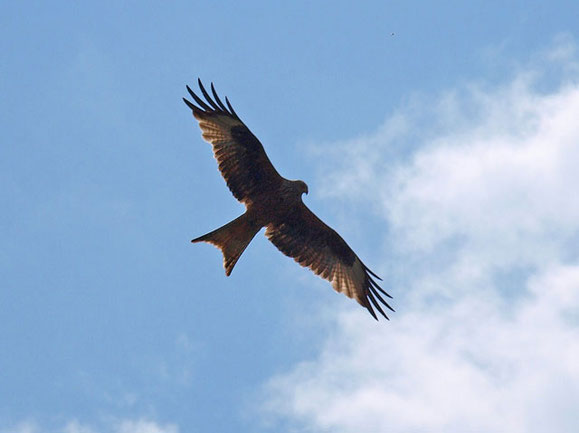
(275, 203)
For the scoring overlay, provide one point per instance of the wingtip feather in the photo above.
(207, 97)
(376, 304)
(189, 104)
(217, 99)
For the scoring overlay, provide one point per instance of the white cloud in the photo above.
(467, 366)
(22, 427)
(483, 216)
(112, 426)
(144, 426)
(75, 427)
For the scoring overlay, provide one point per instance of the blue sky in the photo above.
(439, 138)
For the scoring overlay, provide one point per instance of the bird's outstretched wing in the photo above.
(310, 242)
(242, 160)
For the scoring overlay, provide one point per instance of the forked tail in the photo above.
(232, 239)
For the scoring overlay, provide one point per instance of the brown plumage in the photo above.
(274, 202)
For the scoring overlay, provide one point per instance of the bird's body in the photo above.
(274, 202)
(277, 202)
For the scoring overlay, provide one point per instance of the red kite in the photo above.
(275, 203)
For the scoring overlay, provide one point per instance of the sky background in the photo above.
(440, 139)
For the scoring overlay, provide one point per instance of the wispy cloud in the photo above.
(144, 426)
(483, 223)
(21, 427)
(139, 425)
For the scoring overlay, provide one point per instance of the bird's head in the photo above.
(302, 187)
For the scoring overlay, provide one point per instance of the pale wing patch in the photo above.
(216, 129)
(349, 280)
